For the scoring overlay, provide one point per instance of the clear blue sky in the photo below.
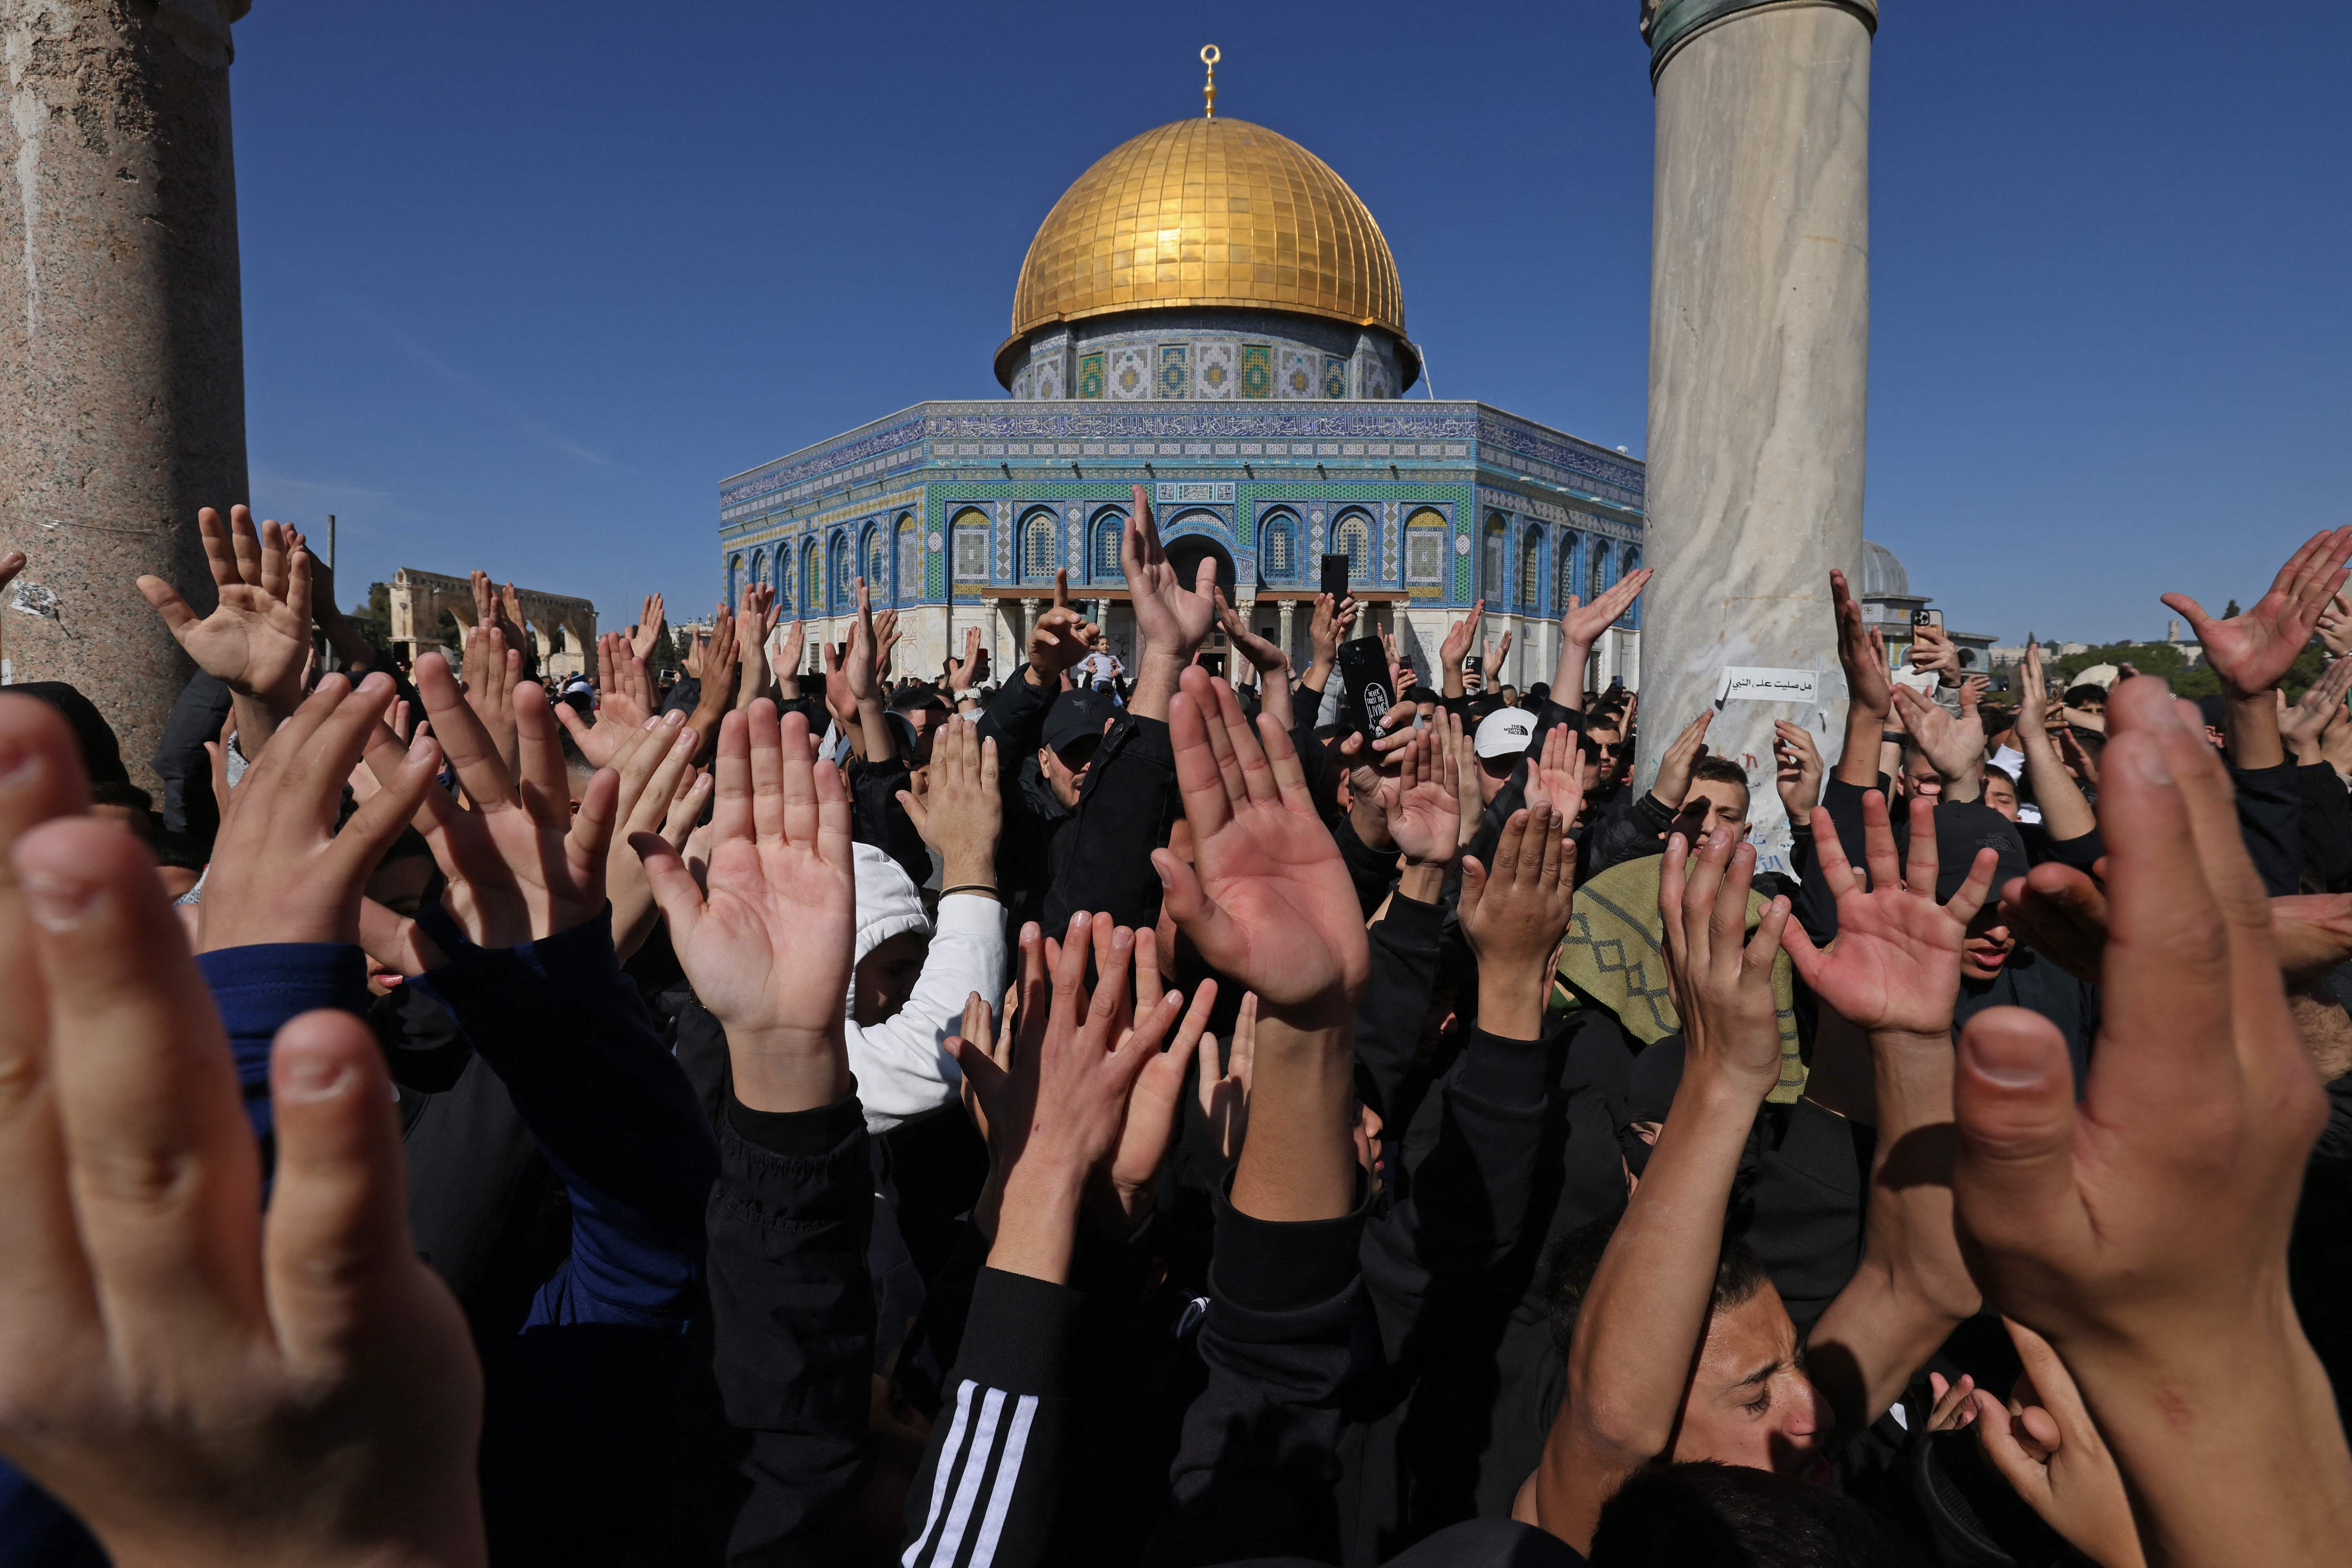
(524, 281)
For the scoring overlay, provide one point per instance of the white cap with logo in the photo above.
(1505, 732)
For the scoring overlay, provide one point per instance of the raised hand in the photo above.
(1058, 1116)
(178, 1368)
(1460, 638)
(1954, 747)
(1490, 664)
(964, 673)
(2047, 1448)
(1326, 631)
(1267, 899)
(1061, 639)
(1722, 989)
(646, 634)
(2251, 652)
(661, 792)
(2143, 1231)
(493, 671)
(1798, 775)
(755, 622)
(282, 871)
(1557, 779)
(768, 946)
(522, 866)
(1932, 648)
(257, 637)
(1862, 654)
(1421, 803)
(1580, 625)
(624, 702)
(1681, 758)
(721, 657)
(962, 813)
(2303, 724)
(1895, 964)
(2334, 625)
(1514, 917)
(788, 658)
(1171, 619)
(1371, 773)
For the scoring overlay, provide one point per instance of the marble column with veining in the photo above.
(1759, 328)
(121, 335)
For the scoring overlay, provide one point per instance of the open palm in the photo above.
(2251, 652)
(766, 941)
(1895, 963)
(1267, 899)
(258, 634)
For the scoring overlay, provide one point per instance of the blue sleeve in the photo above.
(258, 988)
(609, 1107)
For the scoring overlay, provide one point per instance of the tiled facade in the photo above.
(960, 513)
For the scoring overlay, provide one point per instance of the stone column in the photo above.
(1759, 325)
(123, 348)
(1289, 607)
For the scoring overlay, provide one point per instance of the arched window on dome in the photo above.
(1278, 551)
(844, 585)
(1040, 546)
(1563, 572)
(1495, 581)
(1351, 536)
(1109, 526)
(1596, 569)
(971, 533)
(812, 579)
(911, 558)
(734, 575)
(1531, 569)
(784, 579)
(1628, 563)
(877, 563)
(1424, 546)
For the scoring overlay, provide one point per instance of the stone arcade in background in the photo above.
(432, 611)
(1210, 311)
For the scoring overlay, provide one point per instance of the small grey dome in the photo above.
(1883, 576)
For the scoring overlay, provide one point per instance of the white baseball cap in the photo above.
(1505, 732)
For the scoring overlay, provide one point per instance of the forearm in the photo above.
(2249, 728)
(1155, 685)
(1912, 1288)
(256, 720)
(1858, 761)
(1511, 998)
(874, 727)
(750, 680)
(355, 651)
(1273, 695)
(1568, 675)
(1037, 1220)
(1299, 1159)
(2065, 813)
(1451, 685)
(2230, 1444)
(1645, 1311)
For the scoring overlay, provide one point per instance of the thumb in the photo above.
(1473, 887)
(2013, 1099)
(1212, 930)
(2191, 611)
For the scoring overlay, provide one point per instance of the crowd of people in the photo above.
(806, 1114)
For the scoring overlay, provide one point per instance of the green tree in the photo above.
(2164, 659)
(373, 619)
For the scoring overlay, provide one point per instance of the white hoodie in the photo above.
(902, 1063)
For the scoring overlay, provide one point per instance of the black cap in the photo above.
(1077, 715)
(1963, 827)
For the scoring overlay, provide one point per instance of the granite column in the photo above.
(123, 339)
(1759, 328)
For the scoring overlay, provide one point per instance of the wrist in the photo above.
(969, 868)
(1423, 882)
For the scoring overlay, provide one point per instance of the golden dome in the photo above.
(1208, 213)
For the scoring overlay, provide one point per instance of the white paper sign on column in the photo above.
(1743, 684)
